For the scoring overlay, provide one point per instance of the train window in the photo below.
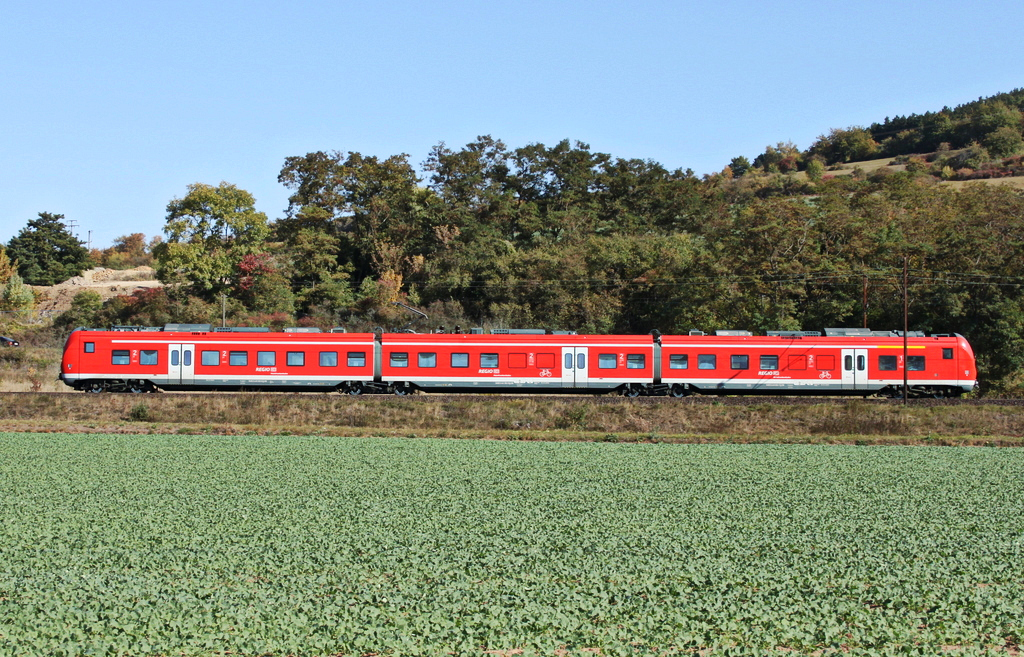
(848, 363)
(427, 359)
(769, 363)
(915, 363)
(328, 359)
(210, 358)
(581, 361)
(174, 357)
(90, 347)
(739, 362)
(357, 359)
(296, 358)
(238, 358)
(545, 361)
(568, 361)
(266, 358)
(862, 362)
(636, 361)
(826, 362)
(120, 357)
(947, 353)
(707, 361)
(887, 363)
(460, 360)
(678, 362)
(797, 363)
(606, 361)
(488, 360)
(186, 357)
(400, 359)
(148, 357)
(517, 361)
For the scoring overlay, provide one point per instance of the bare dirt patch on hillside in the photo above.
(108, 283)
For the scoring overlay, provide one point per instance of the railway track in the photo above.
(434, 398)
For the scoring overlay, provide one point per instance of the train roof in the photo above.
(518, 335)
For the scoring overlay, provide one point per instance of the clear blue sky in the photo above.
(110, 109)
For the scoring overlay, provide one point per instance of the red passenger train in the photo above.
(196, 357)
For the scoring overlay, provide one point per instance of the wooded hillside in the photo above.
(563, 237)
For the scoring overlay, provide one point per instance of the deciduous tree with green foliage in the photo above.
(84, 312)
(46, 251)
(363, 200)
(208, 232)
(850, 145)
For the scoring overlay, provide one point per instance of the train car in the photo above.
(843, 362)
(194, 357)
(527, 363)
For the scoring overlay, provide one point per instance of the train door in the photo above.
(855, 369)
(182, 364)
(574, 367)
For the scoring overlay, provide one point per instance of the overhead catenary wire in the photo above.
(845, 279)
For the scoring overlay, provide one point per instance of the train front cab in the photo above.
(142, 361)
(937, 366)
(70, 361)
(95, 361)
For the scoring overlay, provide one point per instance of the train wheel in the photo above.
(631, 391)
(137, 387)
(678, 391)
(402, 390)
(94, 386)
(355, 389)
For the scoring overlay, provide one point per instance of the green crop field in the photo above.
(195, 545)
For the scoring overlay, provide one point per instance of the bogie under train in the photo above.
(842, 362)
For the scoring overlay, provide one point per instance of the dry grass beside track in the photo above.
(517, 418)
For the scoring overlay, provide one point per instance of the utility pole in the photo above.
(865, 304)
(906, 324)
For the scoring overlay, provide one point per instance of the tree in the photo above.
(474, 185)
(209, 231)
(317, 277)
(1004, 141)
(783, 157)
(128, 251)
(84, 311)
(815, 168)
(7, 268)
(46, 252)
(992, 116)
(851, 145)
(262, 287)
(739, 166)
(16, 295)
(365, 199)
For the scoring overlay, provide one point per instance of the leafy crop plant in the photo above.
(195, 545)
